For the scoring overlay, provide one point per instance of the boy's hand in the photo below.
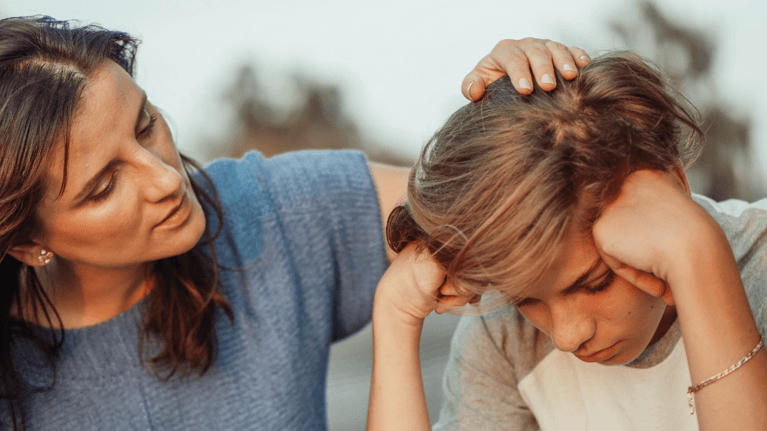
(414, 286)
(651, 232)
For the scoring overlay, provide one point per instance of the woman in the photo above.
(574, 206)
(233, 279)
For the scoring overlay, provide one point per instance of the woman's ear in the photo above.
(32, 254)
(678, 172)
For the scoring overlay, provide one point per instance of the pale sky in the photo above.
(399, 63)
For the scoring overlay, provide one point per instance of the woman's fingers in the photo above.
(564, 60)
(580, 57)
(516, 63)
(473, 86)
(528, 62)
(541, 62)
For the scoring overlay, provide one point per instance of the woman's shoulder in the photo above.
(296, 178)
(227, 169)
(300, 181)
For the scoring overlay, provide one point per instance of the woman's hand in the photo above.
(516, 57)
(414, 286)
(650, 233)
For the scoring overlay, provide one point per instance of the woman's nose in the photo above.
(161, 180)
(569, 328)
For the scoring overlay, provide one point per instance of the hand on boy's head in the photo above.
(651, 229)
(516, 58)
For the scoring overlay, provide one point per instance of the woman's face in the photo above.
(588, 310)
(127, 199)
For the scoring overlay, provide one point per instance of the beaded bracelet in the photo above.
(712, 379)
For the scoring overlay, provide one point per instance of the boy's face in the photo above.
(588, 310)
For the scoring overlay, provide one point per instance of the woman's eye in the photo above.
(106, 192)
(147, 130)
(604, 284)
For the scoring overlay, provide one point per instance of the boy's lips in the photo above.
(598, 356)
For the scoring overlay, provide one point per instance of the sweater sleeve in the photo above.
(305, 230)
(331, 220)
(480, 381)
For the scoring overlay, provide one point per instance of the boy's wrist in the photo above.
(387, 312)
(705, 248)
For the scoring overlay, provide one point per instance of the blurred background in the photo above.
(236, 75)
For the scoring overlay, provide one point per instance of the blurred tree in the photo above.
(726, 169)
(317, 121)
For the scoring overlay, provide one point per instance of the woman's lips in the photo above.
(177, 216)
(599, 356)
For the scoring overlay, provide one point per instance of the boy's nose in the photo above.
(569, 330)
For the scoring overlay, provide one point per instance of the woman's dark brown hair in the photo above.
(506, 179)
(44, 66)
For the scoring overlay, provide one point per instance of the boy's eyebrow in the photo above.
(579, 281)
(570, 289)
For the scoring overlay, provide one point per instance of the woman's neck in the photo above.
(89, 296)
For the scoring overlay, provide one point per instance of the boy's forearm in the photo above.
(397, 400)
(718, 330)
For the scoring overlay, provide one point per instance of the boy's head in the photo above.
(506, 193)
(507, 180)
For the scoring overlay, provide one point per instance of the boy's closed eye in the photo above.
(592, 288)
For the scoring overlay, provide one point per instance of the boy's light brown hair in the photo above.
(498, 188)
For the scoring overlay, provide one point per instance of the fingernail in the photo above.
(547, 79)
(568, 67)
(468, 90)
(525, 83)
(585, 57)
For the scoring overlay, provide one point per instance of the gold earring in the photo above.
(45, 257)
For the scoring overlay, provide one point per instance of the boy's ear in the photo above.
(678, 171)
(31, 254)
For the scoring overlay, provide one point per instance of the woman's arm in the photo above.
(654, 235)
(391, 185)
